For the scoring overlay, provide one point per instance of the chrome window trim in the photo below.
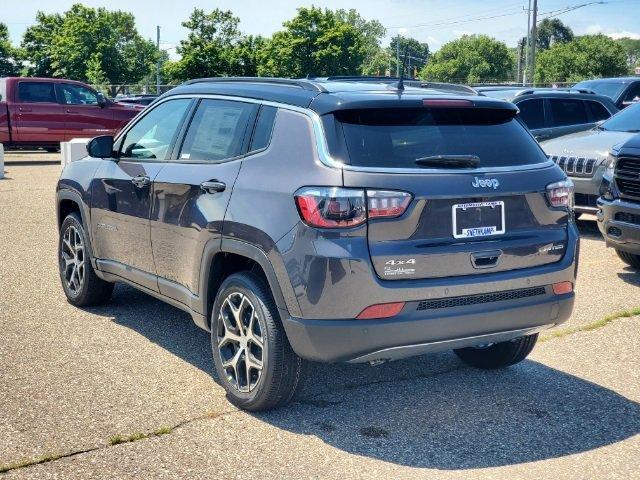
(323, 149)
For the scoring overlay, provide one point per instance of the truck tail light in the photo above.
(560, 194)
(562, 288)
(338, 207)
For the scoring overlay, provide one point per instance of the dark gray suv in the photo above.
(325, 220)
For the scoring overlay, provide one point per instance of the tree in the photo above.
(416, 50)
(470, 59)
(88, 42)
(9, 65)
(315, 42)
(372, 32)
(589, 56)
(552, 31)
(37, 43)
(209, 48)
(631, 47)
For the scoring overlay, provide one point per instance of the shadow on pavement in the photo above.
(588, 228)
(427, 412)
(630, 276)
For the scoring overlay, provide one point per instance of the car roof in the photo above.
(611, 79)
(327, 95)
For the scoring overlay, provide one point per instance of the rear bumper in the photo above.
(415, 332)
(621, 235)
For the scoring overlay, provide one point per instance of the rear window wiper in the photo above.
(449, 161)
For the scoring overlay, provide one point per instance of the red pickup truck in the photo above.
(42, 112)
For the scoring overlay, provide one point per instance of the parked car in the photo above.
(619, 203)
(551, 113)
(42, 112)
(328, 221)
(143, 99)
(623, 91)
(582, 155)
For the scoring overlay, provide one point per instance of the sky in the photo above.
(431, 21)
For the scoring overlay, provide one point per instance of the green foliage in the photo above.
(470, 59)
(552, 31)
(214, 47)
(414, 48)
(9, 65)
(315, 42)
(631, 47)
(87, 42)
(589, 56)
(372, 32)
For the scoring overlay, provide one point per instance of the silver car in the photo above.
(583, 155)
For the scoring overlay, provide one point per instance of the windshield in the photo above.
(627, 120)
(609, 89)
(405, 137)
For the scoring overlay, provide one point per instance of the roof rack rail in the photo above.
(582, 90)
(365, 78)
(449, 87)
(301, 83)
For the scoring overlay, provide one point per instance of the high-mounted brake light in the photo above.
(560, 194)
(337, 207)
(446, 102)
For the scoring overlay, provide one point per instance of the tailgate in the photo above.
(504, 228)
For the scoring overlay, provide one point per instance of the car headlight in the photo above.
(610, 166)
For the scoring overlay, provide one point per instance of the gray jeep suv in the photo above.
(328, 221)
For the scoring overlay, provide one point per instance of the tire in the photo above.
(249, 387)
(80, 283)
(498, 355)
(630, 259)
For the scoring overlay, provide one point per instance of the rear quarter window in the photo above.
(396, 138)
(37, 92)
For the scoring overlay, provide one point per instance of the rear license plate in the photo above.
(481, 219)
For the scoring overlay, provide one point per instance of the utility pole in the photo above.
(525, 72)
(158, 65)
(534, 36)
(519, 74)
(398, 56)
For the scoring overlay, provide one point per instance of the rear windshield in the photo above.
(608, 89)
(396, 138)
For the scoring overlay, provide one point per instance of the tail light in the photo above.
(337, 207)
(381, 310)
(560, 194)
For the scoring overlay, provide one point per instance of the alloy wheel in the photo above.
(240, 342)
(73, 259)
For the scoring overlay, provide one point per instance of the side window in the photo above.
(37, 92)
(263, 128)
(633, 95)
(78, 95)
(568, 111)
(217, 130)
(598, 112)
(152, 135)
(532, 113)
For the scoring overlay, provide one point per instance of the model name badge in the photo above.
(485, 183)
(106, 226)
(399, 267)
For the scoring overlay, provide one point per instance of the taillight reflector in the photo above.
(562, 288)
(381, 310)
(560, 194)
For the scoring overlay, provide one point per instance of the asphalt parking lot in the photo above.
(126, 390)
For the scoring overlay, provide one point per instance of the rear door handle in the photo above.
(71, 111)
(22, 109)
(141, 181)
(213, 186)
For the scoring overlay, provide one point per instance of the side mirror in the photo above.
(101, 100)
(100, 147)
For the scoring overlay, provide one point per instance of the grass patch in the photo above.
(162, 431)
(116, 440)
(563, 332)
(48, 457)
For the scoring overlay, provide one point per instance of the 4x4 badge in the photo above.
(485, 183)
